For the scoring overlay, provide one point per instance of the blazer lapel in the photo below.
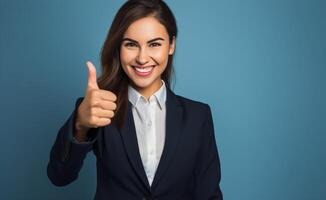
(172, 133)
(128, 134)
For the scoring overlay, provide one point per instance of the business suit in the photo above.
(189, 167)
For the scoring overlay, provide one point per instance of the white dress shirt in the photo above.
(149, 119)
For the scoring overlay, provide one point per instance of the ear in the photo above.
(172, 46)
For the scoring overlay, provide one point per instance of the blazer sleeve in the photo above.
(207, 170)
(67, 155)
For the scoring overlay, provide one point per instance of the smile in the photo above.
(143, 71)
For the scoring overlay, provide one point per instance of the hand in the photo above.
(97, 107)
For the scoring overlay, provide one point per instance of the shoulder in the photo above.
(191, 106)
(197, 117)
(191, 102)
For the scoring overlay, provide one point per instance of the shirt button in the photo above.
(149, 123)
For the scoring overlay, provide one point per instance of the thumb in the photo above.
(92, 79)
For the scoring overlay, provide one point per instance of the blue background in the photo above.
(260, 64)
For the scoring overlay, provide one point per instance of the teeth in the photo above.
(144, 70)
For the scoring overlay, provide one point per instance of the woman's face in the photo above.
(144, 54)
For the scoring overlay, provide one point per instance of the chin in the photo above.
(142, 83)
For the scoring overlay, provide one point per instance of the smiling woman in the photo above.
(138, 23)
(149, 142)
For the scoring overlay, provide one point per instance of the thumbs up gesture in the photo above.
(97, 107)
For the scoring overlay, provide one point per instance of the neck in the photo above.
(150, 90)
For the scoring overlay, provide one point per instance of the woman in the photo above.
(149, 142)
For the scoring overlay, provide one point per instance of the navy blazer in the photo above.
(189, 167)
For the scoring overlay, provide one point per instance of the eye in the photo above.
(155, 44)
(130, 44)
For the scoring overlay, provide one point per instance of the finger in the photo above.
(107, 95)
(103, 121)
(92, 80)
(107, 105)
(101, 113)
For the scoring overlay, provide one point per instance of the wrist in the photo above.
(80, 132)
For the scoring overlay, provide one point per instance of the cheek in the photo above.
(161, 56)
(126, 56)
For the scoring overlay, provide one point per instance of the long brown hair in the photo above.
(113, 78)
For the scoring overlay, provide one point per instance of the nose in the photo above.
(142, 57)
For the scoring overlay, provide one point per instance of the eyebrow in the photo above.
(152, 40)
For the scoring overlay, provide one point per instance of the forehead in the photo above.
(145, 29)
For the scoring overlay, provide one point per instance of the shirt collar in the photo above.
(160, 95)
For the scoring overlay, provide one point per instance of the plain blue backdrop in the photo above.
(260, 65)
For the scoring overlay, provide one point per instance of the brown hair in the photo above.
(113, 78)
